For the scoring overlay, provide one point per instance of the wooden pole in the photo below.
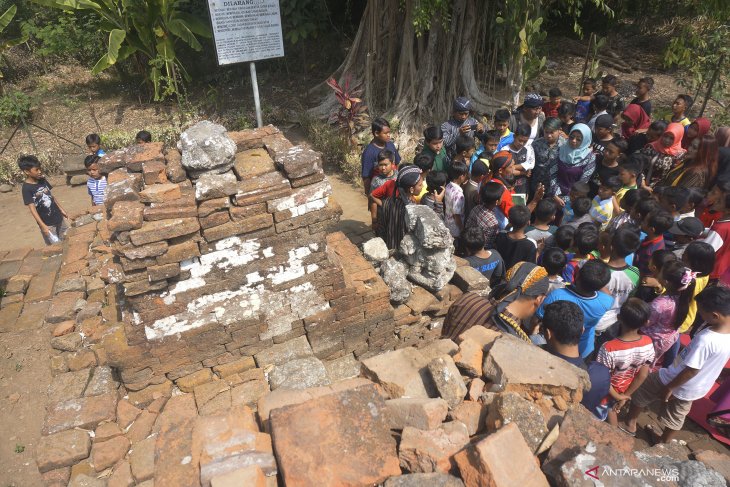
(712, 84)
(585, 65)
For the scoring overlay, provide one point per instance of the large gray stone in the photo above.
(508, 408)
(375, 250)
(206, 147)
(394, 275)
(447, 380)
(212, 185)
(470, 279)
(402, 373)
(428, 228)
(299, 374)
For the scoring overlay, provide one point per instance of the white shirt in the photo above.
(592, 121)
(708, 352)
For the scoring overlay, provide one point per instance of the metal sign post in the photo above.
(245, 31)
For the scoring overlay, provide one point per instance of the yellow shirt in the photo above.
(700, 284)
(621, 192)
(420, 195)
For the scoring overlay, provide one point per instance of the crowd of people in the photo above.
(602, 232)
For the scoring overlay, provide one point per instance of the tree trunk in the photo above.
(414, 78)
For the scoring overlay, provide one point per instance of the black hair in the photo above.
(28, 162)
(492, 135)
(658, 126)
(724, 187)
(144, 136)
(609, 79)
(674, 274)
(660, 221)
(631, 167)
(386, 154)
(600, 102)
(581, 206)
(519, 217)
(676, 196)
(564, 319)
(554, 260)
(696, 195)
(700, 257)
(473, 239)
(553, 92)
(586, 239)
(464, 143)
(479, 168)
(564, 237)
(523, 130)
(629, 200)
(593, 275)
(93, 139)
(688, 100)
(649, 81)
(625, 241)
(634, 313)
(502, 116)
(456, 170)
(433, 132)
(590, 81)
(612, 182)
(436, 180)
(490, 193)
(545, 210)
(91, 159)
(714, 299)
(378, 124)
(424, 161)
(621, 144)
(566, 108)
(646, 206)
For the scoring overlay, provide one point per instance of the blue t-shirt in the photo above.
(369, 157)
(593, 309)
(600, 381)
(100, 152)
(505, 140)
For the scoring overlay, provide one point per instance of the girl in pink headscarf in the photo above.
(665, 153)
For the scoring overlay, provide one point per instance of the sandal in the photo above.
(626, 430)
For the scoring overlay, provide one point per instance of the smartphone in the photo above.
(473, 126)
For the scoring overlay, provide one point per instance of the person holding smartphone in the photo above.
(462, 122)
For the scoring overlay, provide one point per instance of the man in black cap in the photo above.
(461, 123)
(529, 113)
(684, 232)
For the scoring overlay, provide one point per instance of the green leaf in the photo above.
(6, 17)
(101, 65)
(499, 20)
(166, 50)
(178, 27)
(195, 25)
(116, 37)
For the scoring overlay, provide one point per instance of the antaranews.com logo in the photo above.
(660, 474)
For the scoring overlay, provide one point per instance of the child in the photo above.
(380, 129)
(669, 309)
(543, 228)
(464, 148)
(486, 151)
(96, 184)
(585, 292)
(563, 239)
(579, 190)
(479, 171)
(693, 374)
(602, 206)
(424, 162)
(550, 107)
(514, 246)
(581, 208)
(384, 171)
(640, 139)
(434, 145)
(501, 125)
(599, 107)
(454, 198)
(554, 260)
(566, 112)
(624, 278)
(583, 102)
(627, 356)
(44, 208)
(673, 199)
(460, 123)
(488, 262)
(586, 242)
(643, 87)
(523, 155)
(483, 217)
(695, 196)
(93, 145)
(679, 109)
(502, 168)
(629, 200)
(436, 186)
(700, 257)
(654, 225)
(602, 135)
(616, 103)
(608, 164)
(719, 234)
(649, 287)
(143, 137)
(628, 173)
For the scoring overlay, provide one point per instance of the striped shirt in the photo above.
(624, 359)
(97, 189)
(471, 309)
(622, 283)
(601, 211)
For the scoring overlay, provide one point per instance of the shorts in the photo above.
(672, 413)
(58, 231)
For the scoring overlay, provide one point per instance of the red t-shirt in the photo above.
(719, 238)
(386, 190)
(550, 109)
(505, 203)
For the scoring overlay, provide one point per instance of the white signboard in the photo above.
(246, 30)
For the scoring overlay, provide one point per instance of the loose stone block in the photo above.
(163, 230)
(432, 450)
(420, 413)
(402, 373)
(62, 449)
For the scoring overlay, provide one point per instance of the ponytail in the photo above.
(683, 302)
(681, 280)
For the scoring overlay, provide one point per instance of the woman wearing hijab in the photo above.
(698, 169)
(508, 309)
(695, 131)
(665, 154)
(408, 186)
(722, 134)
(576, 162)
(546, 156)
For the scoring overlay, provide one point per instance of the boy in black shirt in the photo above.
(47, 213)
(514, 246)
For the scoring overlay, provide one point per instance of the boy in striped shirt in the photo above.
(627, 357)
(604, 204)
(96, 183)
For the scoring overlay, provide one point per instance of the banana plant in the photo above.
(147, 29)
(6, 44)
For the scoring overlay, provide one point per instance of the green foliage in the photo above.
(303, 19)
(19, 448)
(424, 11)
(14, 107)
(70, 35)
(10, 173)
(334, 147)
(151, 31)
(5, 20)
